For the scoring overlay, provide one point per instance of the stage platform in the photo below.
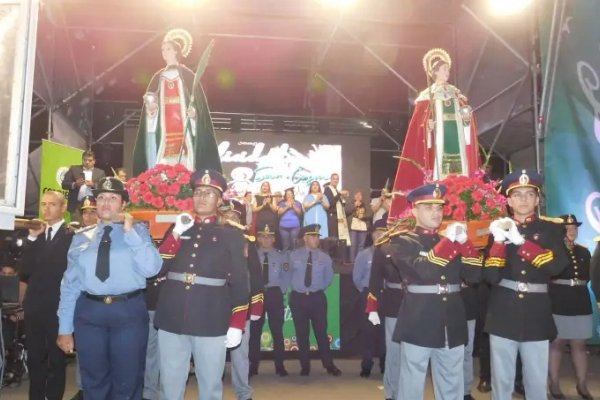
(320, 386)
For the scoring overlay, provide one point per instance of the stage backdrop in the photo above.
(572, 146)
(293, 160)
(572, 150)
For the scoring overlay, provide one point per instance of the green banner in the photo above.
(289, 332)
(55, 162)
(572, 142)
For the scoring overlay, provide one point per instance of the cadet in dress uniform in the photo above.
(372, 334)
(572, 311)
(231, 214)
(311, 273)
(275, 277)
(431, 323)
(386, 292)
(102, 298)
(203, 303)
(525, 253)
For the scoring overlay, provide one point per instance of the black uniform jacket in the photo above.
(381, 298)
(424, 258)
(43, 266)
(524, 316)
(573, 300)
(211, 251)
(595, 269)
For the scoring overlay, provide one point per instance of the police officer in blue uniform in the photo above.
(102, 298)
(386, 292)
(526, 252)
(231, 214)
(275, 278)
(203, 303)
(372, 334)
(311, 273)
(431, 323)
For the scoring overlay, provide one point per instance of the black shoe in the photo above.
(281, 372)
(484, 386)
(305, 372)
(78, 395)
(519, 388)
(584, 394)
(468, 397)
(365, 372)
(333, 370)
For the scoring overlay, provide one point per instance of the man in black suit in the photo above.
(44, 262)
(81, 179)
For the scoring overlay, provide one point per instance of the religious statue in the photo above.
(441, 137)
(175, 125)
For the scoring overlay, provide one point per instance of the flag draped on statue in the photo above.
(572, 145)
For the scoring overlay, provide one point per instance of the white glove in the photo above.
(254, 317)
(461, 235)
(453, 230)
(496, 228)
(233, 338)
(514, 236)
(183, 222)
(374, 318)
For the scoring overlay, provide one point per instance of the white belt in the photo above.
(524, 287)
(193, 279)
(433, 289)
(394, 285)
(570, 282)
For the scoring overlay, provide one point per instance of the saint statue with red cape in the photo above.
(442, 135)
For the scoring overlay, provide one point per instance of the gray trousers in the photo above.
(209, 361)
(468, 361)
(446, 371)
(151, 373)
(240, 366)
(391, 375)
(534, 358)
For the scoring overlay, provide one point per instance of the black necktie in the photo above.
(308, 272)
(49, 234)
(265, 268)
(102, 264)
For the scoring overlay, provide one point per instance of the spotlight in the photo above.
(507, 7)
(338, 3)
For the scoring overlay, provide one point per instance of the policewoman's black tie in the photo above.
(265, 268)
(102, 264)
(308, 272)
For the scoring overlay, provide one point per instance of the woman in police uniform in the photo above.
(102, 301)
(572, 311)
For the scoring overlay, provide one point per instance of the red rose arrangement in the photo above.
(472, 199)
(163, 187)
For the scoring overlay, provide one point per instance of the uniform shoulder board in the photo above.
(382, 240)
(551, 219)
(235, 225)
(250, 238)
(85, 229)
